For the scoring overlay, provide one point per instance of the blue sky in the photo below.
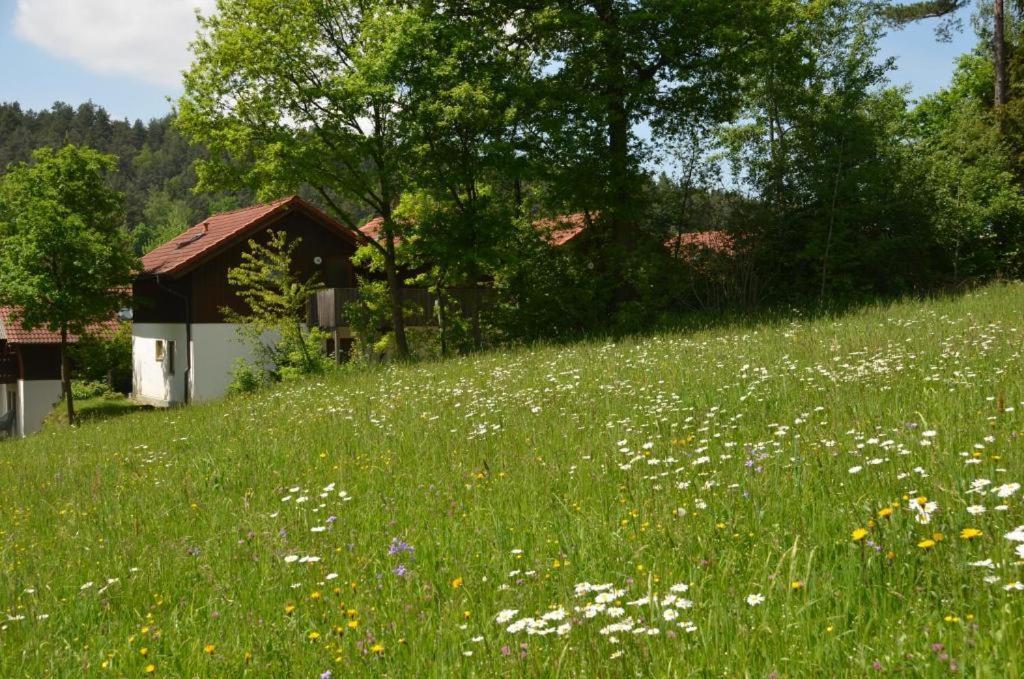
(125, 54)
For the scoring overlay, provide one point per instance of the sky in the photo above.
(127, 55)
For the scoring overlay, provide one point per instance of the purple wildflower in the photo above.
(400, 547)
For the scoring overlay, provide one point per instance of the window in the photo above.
(169, 358)
(165, 354)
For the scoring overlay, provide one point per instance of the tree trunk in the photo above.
(618, 214)
(618, 146)
(65, 376)
(397, 311)
(442, 322)
(999, 54)
(831, 228)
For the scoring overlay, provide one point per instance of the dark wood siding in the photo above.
(207, 286)
(9, 370)
(153, 303)
(211, 292)
(39, 361)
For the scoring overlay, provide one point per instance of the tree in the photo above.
(64, 260)
(978, 208)
(276, 300)
(823, 146)
(304, 93)
(604, 68)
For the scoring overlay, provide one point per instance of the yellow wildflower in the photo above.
(926, 544)
(208, 649)
(859, 534)
(970, 533)
(456, 583)
(884, 512)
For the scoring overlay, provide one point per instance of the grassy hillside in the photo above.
(678, 505)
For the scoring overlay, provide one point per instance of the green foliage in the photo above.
(545, 292)
(246, 377)
(106, 357)
(317, 99)
(605, 66)
(86, 389)
(154, 168)
(367, 318)
(64, 261)
(978, 208)
(276, 302)
(840, 213)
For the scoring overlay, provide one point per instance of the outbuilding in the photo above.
(29, 374)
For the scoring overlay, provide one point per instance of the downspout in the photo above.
(188, 336)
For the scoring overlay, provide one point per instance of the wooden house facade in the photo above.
(184, 348)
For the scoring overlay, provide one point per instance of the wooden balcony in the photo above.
(328, 310)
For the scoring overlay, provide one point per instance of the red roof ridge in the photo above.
(255, 206)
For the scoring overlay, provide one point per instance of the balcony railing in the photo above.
(329, 309)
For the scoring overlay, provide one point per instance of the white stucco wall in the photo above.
(215, 349)
(37, 399)
(151, 381)
(4, 405)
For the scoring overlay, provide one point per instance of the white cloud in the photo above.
(146, 39)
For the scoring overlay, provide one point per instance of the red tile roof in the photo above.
(212, 235)
(12, 330)
(557, 231)
(690, 243)
(562, 229)
(373, 228)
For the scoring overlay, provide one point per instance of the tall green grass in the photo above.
(444, 494)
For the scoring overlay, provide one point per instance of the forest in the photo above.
(154, 173)
(772, 125)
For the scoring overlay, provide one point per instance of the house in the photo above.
(183, 346)
(690, 246)
(30, 372)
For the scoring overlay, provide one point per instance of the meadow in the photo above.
(836, 497)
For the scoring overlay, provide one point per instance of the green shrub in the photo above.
(87, 389)
(246, 377)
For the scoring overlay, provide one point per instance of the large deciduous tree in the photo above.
(304, 93)
(821, 145)
(605, 70)
(65, 262)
